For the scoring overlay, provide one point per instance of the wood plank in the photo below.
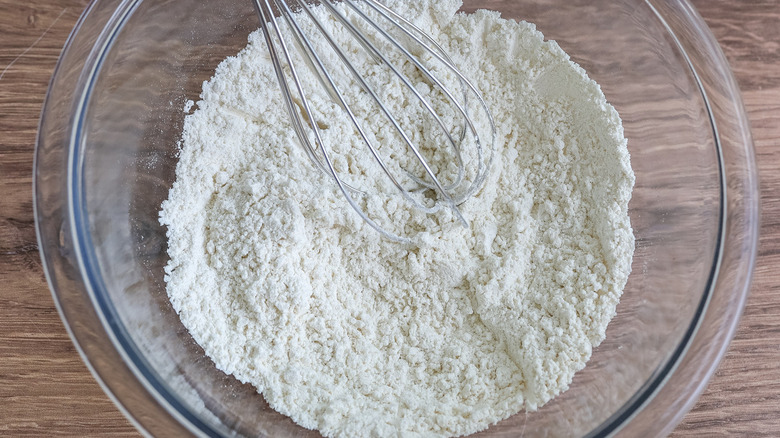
(744, 396)
(45, 388)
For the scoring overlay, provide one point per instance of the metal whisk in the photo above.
(405, 37)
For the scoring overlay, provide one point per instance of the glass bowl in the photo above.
(106, 155)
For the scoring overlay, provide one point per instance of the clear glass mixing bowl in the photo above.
(106, 155)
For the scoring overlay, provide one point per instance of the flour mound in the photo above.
(286, 288)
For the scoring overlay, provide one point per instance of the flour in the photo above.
(286, 288)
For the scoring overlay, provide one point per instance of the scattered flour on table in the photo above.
(286, 288)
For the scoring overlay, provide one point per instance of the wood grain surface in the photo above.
(46, 390)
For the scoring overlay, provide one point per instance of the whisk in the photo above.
(402, 35)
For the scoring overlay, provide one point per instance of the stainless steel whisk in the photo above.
(450, 195)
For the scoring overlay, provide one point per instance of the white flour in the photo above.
(286, 288)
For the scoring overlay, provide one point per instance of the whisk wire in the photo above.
(299, 111)
(360, 36)
(266, 15)
(372, 93)
(440, 54)
(427, 73)
(327, 79)
(347, 108)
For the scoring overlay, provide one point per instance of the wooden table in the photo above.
(45, 389)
